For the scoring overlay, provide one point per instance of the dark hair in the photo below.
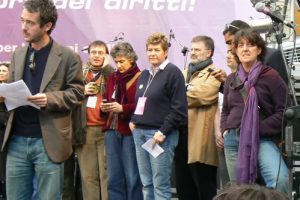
(5, 64)
(47, 10)
(158, 38)
(124, 49)
(254, 38)
(98, 43)
(249, 192)
(208, 42)
(234, 26)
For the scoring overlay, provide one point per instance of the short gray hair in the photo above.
(124, 49)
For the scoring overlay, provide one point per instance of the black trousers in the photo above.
(185, 186)
(195, 181)
(205, 179)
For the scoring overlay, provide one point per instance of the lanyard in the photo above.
(149, 82)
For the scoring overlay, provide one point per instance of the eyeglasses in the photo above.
(230, 27)
(198, 50)
(31, 62)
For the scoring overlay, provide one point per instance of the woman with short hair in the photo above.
(254, 101)
(161, 107)
(123, 177)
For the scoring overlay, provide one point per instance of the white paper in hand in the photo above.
(16, 94)
(154, 151)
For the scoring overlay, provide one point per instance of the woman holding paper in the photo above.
(161, 107)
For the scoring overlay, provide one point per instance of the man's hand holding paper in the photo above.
(16, 94)
(40, 99)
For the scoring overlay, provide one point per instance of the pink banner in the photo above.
(82, 21)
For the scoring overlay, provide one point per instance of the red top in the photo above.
(92, 114)
(128, 105)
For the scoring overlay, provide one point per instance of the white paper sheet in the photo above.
(16, 94)
(154, 151)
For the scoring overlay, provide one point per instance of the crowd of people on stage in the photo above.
(125, 128)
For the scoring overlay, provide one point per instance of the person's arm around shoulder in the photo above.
(220, 75)
(204, 90)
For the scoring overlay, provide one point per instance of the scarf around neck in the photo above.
(121, 80)
(249, 132)
(192, 68)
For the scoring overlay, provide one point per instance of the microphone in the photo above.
(114, 40)
(262, 25)
(121, 36)
(171, 35)
(184, 50)
(260, 7)
(85, 49)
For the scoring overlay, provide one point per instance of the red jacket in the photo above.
(128, 105)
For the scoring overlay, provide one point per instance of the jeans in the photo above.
(155, 173)
(35, 195)
(270, 161)
(123, 177)
(27, 158)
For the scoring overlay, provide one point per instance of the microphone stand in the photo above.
(288, 114)
(184, 50)
(279, 35)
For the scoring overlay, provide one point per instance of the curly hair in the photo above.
(124, 49)
(249, 192)
(158, 38)
(47, 10)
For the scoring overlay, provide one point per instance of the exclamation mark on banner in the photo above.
(192, 5)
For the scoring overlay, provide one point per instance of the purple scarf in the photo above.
(249, 133)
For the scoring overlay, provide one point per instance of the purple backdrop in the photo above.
(82, 21)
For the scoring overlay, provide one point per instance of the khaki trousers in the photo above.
(92, 163)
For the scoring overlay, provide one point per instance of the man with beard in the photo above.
(39, 140)
(202, 98)
(91, 156)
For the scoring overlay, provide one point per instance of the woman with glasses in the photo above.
(255, 97)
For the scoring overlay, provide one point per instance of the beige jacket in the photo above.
(202, 98)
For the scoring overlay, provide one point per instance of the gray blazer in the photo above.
(62, 83)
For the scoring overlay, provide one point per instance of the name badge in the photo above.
(139, 110)
(91, 102)
(113, 96)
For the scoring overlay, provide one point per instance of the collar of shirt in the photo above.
(162, 66)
